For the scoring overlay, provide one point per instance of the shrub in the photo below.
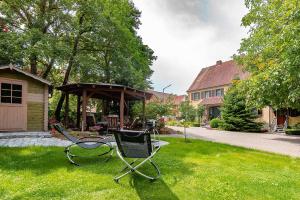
(172, 123)
(215, 123)
(196, 124)
(292, 131)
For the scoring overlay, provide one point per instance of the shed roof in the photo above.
(105, 91)
(222, 73)
(14, 68)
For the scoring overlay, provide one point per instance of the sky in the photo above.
(188, 35)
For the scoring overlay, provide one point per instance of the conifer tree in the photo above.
(236, 115)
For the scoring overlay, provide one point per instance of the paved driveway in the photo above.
(276, 143)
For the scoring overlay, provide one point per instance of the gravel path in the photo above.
(275, 143)
(33, 141)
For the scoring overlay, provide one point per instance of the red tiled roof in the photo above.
(212, 101)
(218, 75)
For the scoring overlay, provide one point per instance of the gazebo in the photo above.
(104, 91)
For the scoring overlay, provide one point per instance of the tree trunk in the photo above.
(33, 64)
(48, 69)
(67, 75)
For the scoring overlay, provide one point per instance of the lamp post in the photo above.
(164, 91)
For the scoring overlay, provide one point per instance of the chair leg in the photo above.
(111, 155)
(70, 156)
(135, 168)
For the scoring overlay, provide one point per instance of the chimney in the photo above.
(219, 62)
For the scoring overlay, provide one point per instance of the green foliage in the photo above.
(173, 123)
(292, 131)
(92, 41)
(271, 53)
(153, 110)
(215, 123)
(188, 112)
(200, 112)
(235, 113)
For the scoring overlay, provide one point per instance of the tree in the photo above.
(34, 32)
(188, 112)
(107, 48)
(153, 110)
(76, 41)
(271, 53)
(200, 112)
(235, 113)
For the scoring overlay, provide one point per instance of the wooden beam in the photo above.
(122, 110)
(67, 110)
(84, 105)
(78, 111)
(134, 94)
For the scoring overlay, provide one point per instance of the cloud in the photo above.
(188, 35)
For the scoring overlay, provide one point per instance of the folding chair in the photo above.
(85, 143)
(136, 144)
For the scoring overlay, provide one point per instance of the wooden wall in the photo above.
(37, 101)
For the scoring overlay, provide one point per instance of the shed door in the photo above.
(13, 105)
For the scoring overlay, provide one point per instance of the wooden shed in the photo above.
(23, 100)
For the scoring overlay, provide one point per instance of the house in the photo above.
(161, 96)
(23, 100)
(173, 99)
(212, 83)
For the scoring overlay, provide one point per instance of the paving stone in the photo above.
(23, 142)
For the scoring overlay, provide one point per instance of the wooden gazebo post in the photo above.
(67, 110)
(122, 110)
(144, 117)
(78, 111)
(84, 104)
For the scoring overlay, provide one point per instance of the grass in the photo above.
(193, 170)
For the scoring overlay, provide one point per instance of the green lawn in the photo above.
(194, 170)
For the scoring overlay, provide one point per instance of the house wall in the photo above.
(294, 120)
(267, 116)
(37, 101)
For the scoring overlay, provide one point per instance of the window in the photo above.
(195, 96)
(207, 94)
(11, 93)
(220, 92)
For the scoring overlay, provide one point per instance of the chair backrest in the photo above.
(60, 129)
(134, 144)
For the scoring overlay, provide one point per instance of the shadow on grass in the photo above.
(152, 190)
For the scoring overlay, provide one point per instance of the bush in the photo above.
(215, 123)
(172, 123)
(292, 131)
(196, 124)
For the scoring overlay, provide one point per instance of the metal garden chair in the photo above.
(137, 145)
(85, 143)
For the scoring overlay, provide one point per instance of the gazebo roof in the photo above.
(105, 91)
